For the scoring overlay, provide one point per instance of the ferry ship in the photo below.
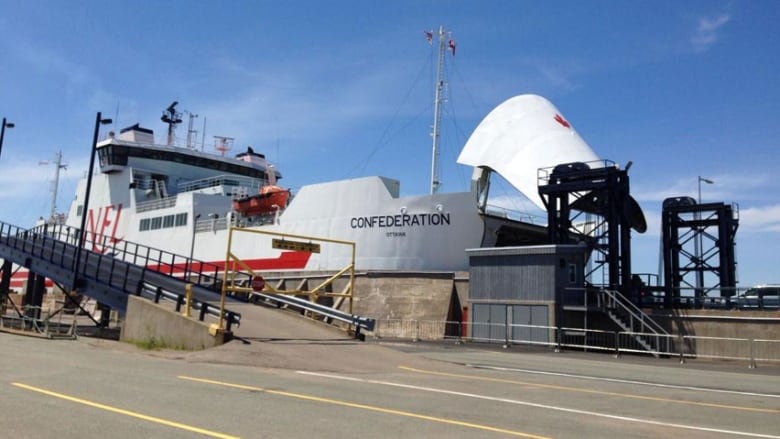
(183, 200)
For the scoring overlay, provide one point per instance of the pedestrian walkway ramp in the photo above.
(109, 271)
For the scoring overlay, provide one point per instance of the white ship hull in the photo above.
(429, 232)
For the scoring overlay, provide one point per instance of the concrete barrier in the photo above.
(151, 325)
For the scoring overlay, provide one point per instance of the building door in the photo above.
(488, 322)
(527, 322)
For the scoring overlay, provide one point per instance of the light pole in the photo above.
(192, 248)
(82, 232)
(706, 180)
(2, 132)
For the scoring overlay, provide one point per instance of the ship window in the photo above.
(181, 219)
(104, 154)
(156, 223)
(113, 155)
(167, 221)
(79, 210)
(120, 153)
(144, 224)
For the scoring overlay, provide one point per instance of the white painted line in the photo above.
(616, 380)
(541, 406)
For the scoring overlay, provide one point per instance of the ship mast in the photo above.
(192, 134)
(56, 182)
(444, 44)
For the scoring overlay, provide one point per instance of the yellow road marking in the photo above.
(366, 407)
(598, 392)
(126, 412)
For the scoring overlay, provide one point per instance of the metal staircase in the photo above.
(645, 332)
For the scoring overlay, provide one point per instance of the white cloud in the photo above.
(20, 170)
(707, 32)
(762, 219)
(301, 103)
(756, 191)
(725, 187)
(49, 61)
(558, 76)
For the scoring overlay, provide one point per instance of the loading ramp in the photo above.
(242, 280)
(121, 269)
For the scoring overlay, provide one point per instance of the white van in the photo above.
(759, 297)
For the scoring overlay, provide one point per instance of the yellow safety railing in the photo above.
(235, 265)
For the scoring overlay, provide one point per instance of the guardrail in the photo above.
(682, 347)
(358, 322)
(155, 293)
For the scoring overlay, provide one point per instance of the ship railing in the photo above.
(210, 224)
(222, 180)
(161, 203)
(503, 212)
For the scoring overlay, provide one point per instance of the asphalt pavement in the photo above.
(288, 377)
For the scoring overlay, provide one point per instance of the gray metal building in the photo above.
(516, 293)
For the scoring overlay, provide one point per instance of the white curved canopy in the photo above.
(520, 136)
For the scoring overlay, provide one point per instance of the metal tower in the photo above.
(590, 203)
(698, 249)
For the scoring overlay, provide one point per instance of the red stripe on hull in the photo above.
(285, 261)
(19, 280)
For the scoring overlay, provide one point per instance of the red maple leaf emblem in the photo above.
(561, 121)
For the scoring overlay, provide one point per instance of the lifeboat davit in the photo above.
(269, 199)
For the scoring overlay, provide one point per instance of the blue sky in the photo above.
(339, 89)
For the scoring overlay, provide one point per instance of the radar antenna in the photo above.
(223, 144)
(172, 118)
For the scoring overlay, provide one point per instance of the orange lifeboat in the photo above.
(269, 199)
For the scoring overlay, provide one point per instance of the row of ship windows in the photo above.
(163, 222)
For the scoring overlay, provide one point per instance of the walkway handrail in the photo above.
(116, 268)
(618, 300)
(201, 273)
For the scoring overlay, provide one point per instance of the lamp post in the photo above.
(192, 248)
(82, 232)
(2, 132)
(706, 180)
